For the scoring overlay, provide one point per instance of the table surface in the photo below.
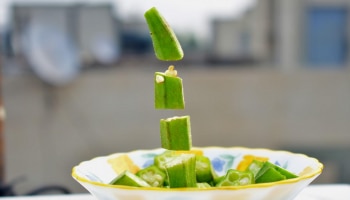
(313, 192)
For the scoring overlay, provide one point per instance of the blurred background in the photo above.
(77, 81)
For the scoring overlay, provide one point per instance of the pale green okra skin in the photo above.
(175, 133)
(166, 45)
(152, 175)
(129, 179)
(168, 93)
(181, 171)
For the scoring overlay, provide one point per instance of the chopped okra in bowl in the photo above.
(209, 173)
(178, 171)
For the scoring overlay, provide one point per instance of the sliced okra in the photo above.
(168, 90)
(175, 133)
(271, 173)
(203, 185)
(204, 171)
(284, 172)
(235, 178)
(154, 176)
(161, 159)
(255, 166)
(166, 45)
(181, 171)
(129, 179)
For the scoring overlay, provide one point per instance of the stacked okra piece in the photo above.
(180, 166)
(176, 167)
(175, 132)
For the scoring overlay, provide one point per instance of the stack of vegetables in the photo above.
(181, 166)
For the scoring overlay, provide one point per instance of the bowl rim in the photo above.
(317, 172)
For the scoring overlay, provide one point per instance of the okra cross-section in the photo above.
(152, 175)
(175, 133)
(234, 178)
(168, 90)
(166, 45)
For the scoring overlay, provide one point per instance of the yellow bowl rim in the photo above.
(317, 172)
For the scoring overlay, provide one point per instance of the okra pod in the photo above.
(161, 159)
(285, 172)
(271, 173)
(247, 159)
(168, 90)
(181, 171)
(235, 178)
(175, 133)
(154, 176)
(204, 171)
(255, 166)
(203, 185)
(166, 45)
(129, 179)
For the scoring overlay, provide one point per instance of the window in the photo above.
(326, 40)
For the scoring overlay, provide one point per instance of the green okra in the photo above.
(161, 159)
(175, 133)
(154, 176)
(181, 171)
(255, 167)
(204, 171)
(168, 90)
(129, 179)
(203, 185)
(285, 172)
(235, 178)
(218, 179)
(270, 173)
(166, 45)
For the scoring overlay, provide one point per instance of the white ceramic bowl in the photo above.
(95, 175)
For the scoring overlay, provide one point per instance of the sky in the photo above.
(185, 14)
(182, 15)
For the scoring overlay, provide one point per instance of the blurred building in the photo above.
(288, 34)
(89, 28)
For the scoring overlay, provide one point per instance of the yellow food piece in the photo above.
(197, 152)
(122, 163)
(247, 159)
(306, 171)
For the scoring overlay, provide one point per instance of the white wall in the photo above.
(106, 111)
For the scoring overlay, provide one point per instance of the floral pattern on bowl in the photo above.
(96, 173)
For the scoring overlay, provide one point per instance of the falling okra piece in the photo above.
(175, 133)
(166, 45)
(168, 90)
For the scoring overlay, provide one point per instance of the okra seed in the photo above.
(159, 79)
(158, 177)
(244, 181)
(171, 71)
(156, 184)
